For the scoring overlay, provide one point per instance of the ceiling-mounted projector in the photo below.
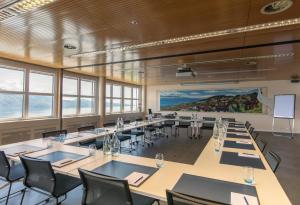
(185, 72)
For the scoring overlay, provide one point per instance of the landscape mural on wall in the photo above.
(223, 100)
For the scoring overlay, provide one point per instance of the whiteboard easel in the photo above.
(284, 108)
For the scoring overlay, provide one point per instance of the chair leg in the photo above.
(23, 196)
(8, 193)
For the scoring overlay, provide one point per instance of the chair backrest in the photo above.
(170, 116)
(169, 122)
(213, 119)
(261, 144)
(255, 135)
(54, 133)
(251, 130)
(107, 190)
(247, 124)
(228, 119)
(174, 198)
(109, 124)
(4, 166)
(273, 160)
(126, 121)
(139, 119)
(86, 128)
(185, 117)
(184, 123)
(38, 174)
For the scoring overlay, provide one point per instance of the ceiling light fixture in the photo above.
(19, 7)
(221, 82)
(250, 58)
(256, 27)
(276, 7)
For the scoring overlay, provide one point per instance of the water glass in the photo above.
(92, 149)
(217, 146)
(159, 160)
(249, 175)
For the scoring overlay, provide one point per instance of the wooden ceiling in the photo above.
(38, 37)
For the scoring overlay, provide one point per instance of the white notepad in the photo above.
(249, 155)
(244, 142)
(136, 178)
(238, 199)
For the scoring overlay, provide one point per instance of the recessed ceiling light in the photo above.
(276, 7)
(251, 63)
(69, 46)
(134, 22)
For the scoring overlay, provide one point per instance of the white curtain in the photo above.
(265, 101)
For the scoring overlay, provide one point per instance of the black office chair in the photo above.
(169, 124)
(86, 143)
(228, 119)
(261, 144)
(183, 125)
(255, 135)
(273, 160)
(109, 124)
(104, 190)
(251, 130)
(247, 124)
(139, 119)
(55, 133)
(208, 124)
(9, 174)
(40, 177)
(86, 128)
(174, 198)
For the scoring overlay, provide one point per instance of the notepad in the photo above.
(243, 199)
(248, 155)
(243, 142)
(136, 178)
(62, 163)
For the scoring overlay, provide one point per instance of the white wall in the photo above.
(262, 122)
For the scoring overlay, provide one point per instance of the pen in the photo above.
(246, 200)
(138, 179)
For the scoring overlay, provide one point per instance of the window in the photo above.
(78, 96)
(26, 97)
(41, 95)
(121, 99)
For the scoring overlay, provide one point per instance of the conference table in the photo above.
(207, 168)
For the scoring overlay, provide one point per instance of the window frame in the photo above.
(122, 98)
(78, 97)
(26, 93)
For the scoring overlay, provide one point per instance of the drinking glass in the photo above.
(217, 146)
(159, 160)
(92, 149)
(249, 175)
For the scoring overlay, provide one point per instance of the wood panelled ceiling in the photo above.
(39, 36)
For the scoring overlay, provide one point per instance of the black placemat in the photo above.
(234, 144)
(60, 155)
(236, 131)
(232, 158)
(236, 136)
(20, 149)
(211, 189)
(121, 169)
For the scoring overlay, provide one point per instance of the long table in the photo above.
(207, 165)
